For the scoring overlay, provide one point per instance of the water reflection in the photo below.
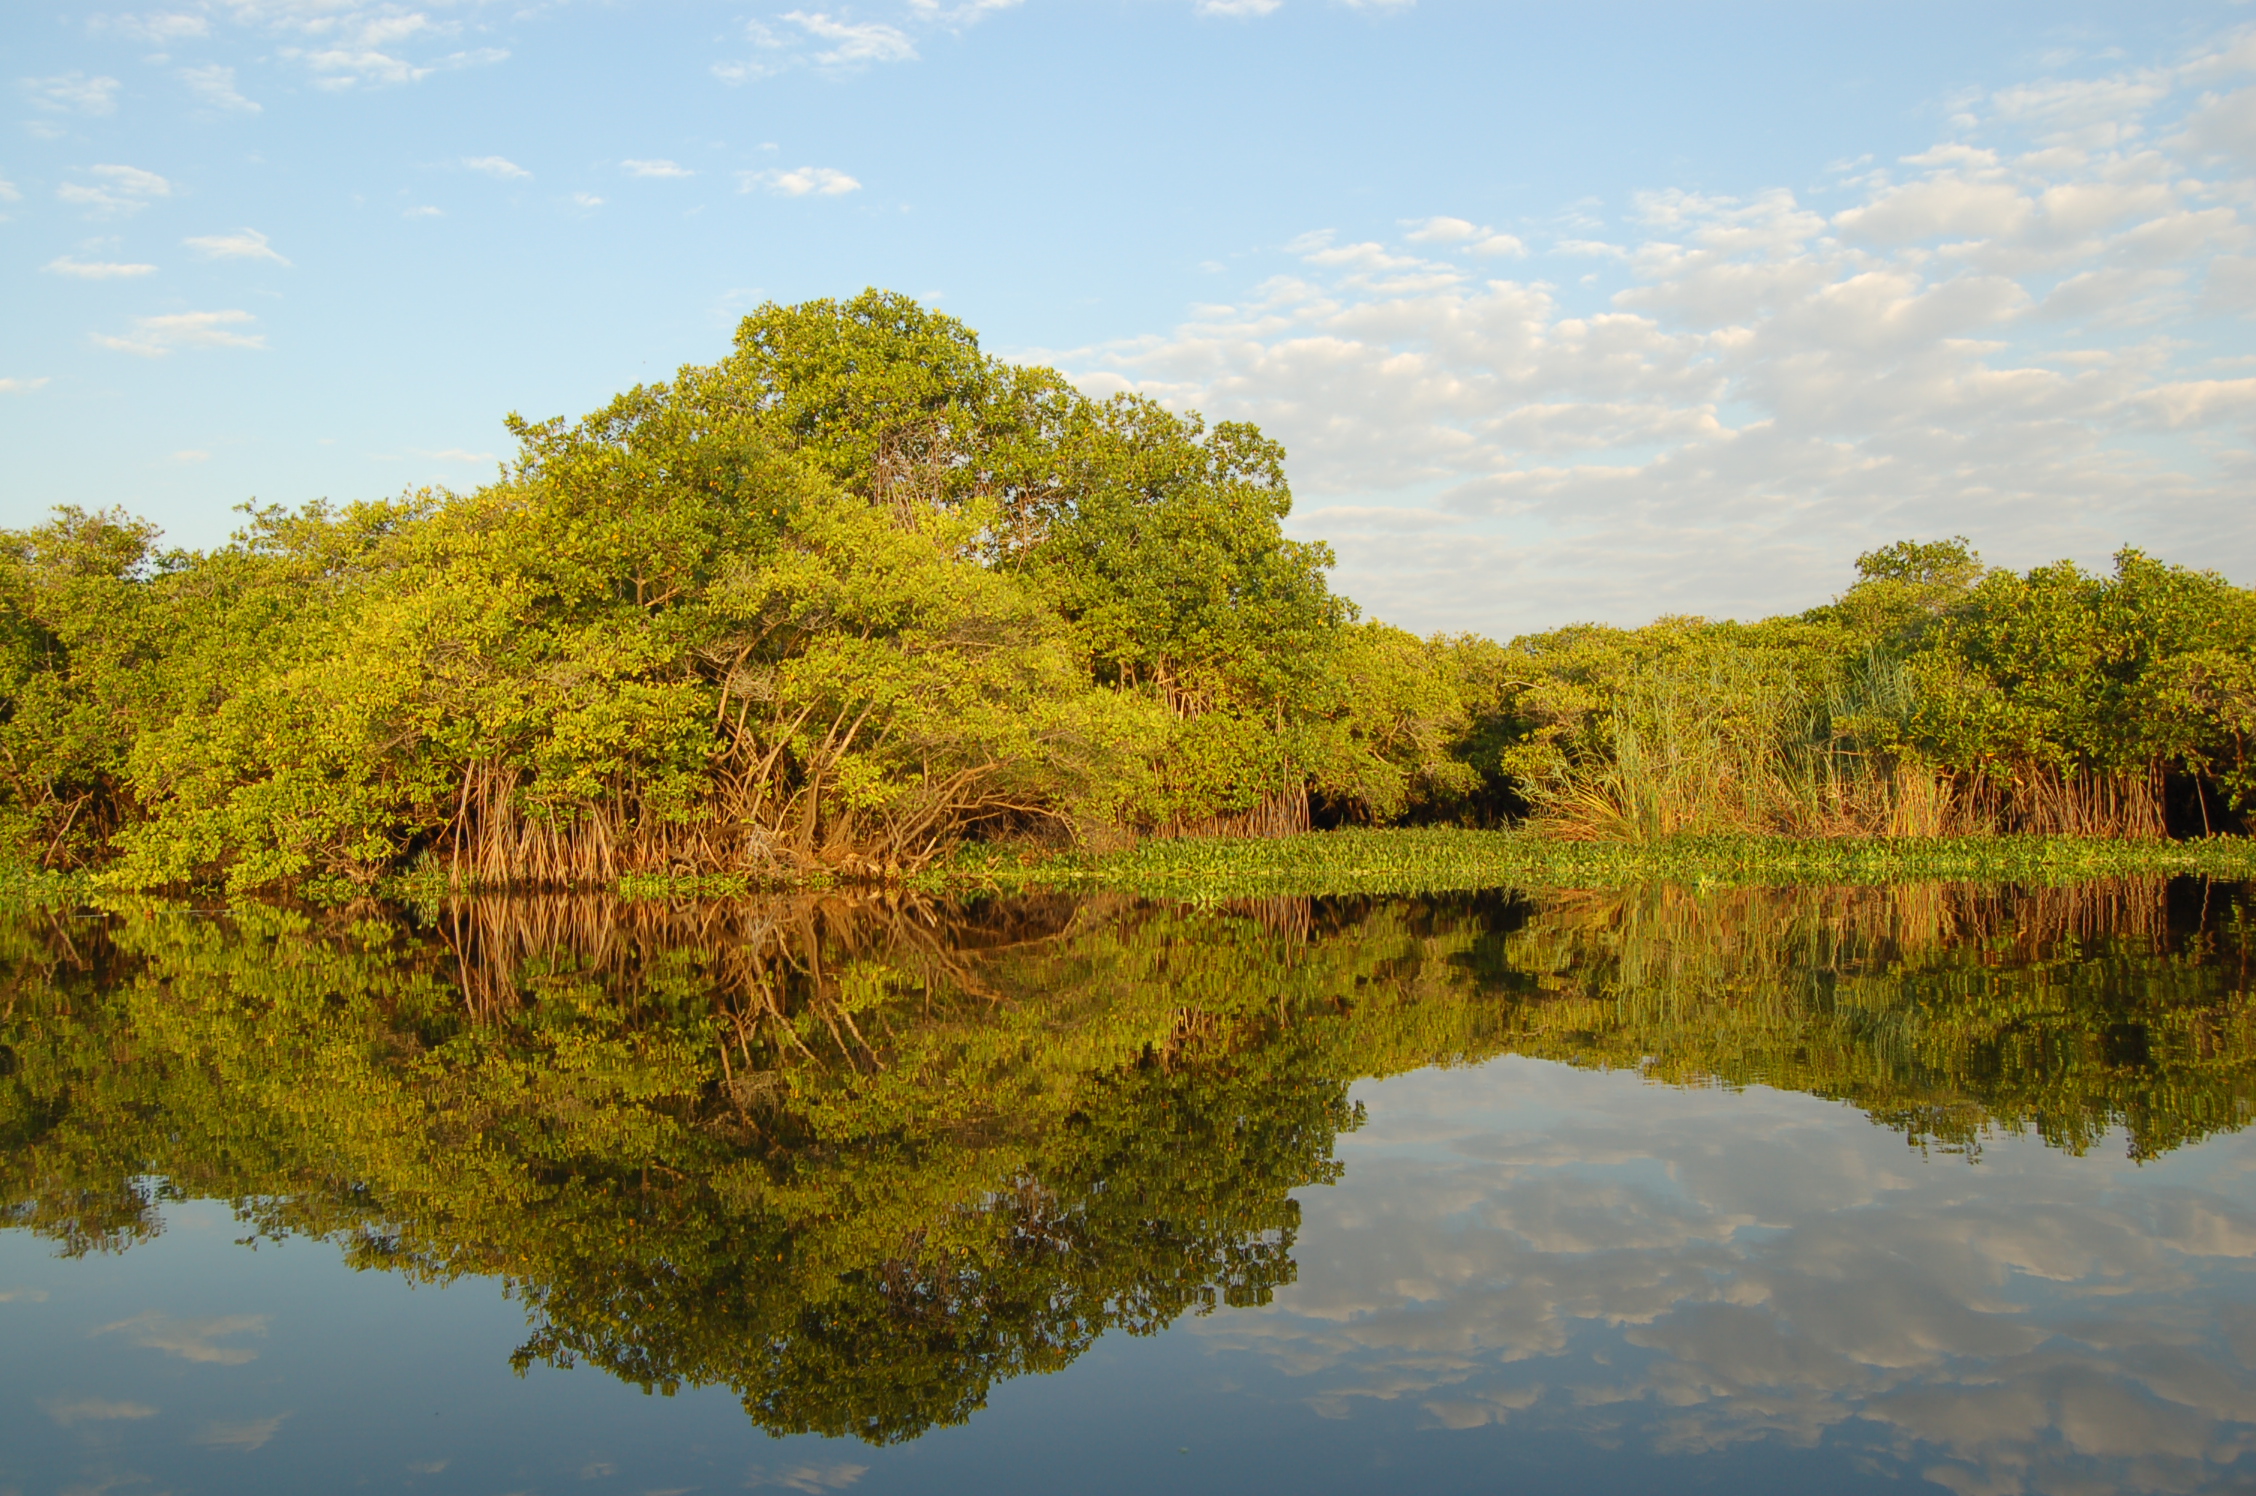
(1694, 1271)
(861, 1161)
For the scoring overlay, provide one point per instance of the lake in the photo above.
(1930, 1187)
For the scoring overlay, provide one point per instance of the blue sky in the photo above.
(1564, 312)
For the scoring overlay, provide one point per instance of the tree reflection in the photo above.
(859, 1160)
(1945, 1011)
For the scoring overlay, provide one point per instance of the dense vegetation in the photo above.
(859, 592)
(860, 1161)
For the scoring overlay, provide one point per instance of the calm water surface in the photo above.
(1911, 1189)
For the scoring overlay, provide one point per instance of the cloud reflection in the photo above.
(1693, 1270)
(192, 1339)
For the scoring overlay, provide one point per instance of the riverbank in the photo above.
(1447, 860)
(1431, 860)
(1408, 861)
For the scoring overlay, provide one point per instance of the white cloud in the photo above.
(19, 387)
(74, 93)
(967, 13)
(1366, 256)
(424, 211)
(339, 68)
(1459, 231)
(342, 68)
(587, 199)
(1949, 204)
(852, 45)
(2225, 126)
(159, 28)
(1775, 389)
(134, 180)
(496, 166)
(215, 85)
(655, 168)
(1439, 230)
(8, 193)
(95, 269)
(115, 190)
(2231, 284)
(190, 455)
(347, 44)
(799, 181)
(1237, 7)
(457, 454)
(832, 45)
(243, 244)
(341, 44)
(154, 337)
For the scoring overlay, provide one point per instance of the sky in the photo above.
(1563, 313)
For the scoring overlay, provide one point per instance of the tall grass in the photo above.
(1737, 747)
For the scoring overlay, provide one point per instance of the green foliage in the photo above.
(74, 636)
(1902, 587)
(1391, 742)
(893, 402)
(826, 606)
(1161, 545)
(2061, 674)
(1933, 698)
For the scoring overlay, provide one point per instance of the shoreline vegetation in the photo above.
(1346, 862)
(861, 604)
(1440, 860)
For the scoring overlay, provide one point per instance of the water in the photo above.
(1931, 1188)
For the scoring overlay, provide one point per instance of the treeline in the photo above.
(858, 592)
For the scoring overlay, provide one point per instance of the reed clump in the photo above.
(1934, 698)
